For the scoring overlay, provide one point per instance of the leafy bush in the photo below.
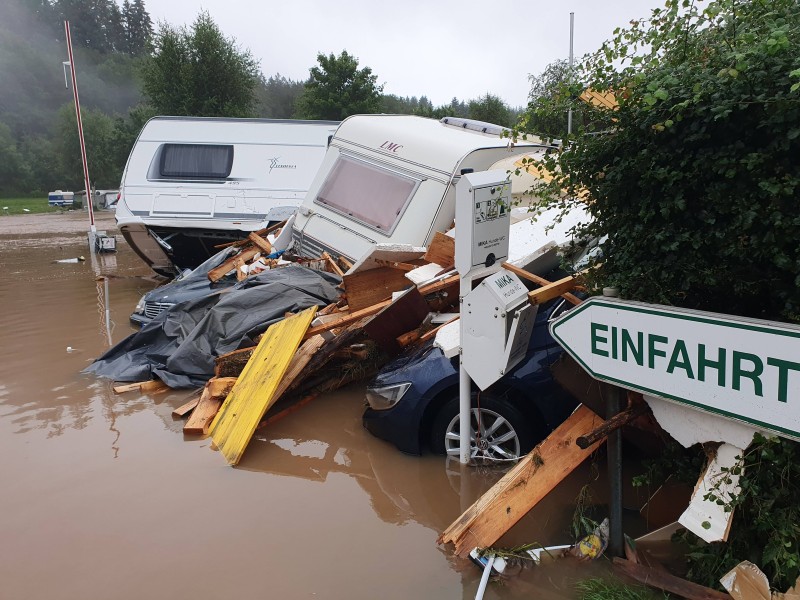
(695, 178)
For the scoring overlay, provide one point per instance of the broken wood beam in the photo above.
(441, 250)
(185, 409)
(522, 273)
(261, 243)
(365, 288)
(205, 411)
(522, 488)
(336, 268)
(614, 423)
(664, 581)
(219, 272)
(553, 290)
(350, 318)
(232, 363)
(151, 386)
(260, 232)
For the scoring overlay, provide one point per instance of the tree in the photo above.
(199, 72)
(105, 170)
(549, 100)
(337, 89)
(138, 27)
(14, 173)
(696, 181)
(278, 96)
(491, 109)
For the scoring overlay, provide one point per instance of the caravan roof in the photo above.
(436, 145)
(240, 131)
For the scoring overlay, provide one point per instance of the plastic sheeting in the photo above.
(179, 346)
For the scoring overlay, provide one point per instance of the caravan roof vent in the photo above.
(474, 125)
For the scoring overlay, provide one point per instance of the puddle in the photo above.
(104, 497)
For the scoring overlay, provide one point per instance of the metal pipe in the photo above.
(571, 61)
(616, 540)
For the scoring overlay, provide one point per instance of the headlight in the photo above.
(381, 398)
(139, 306)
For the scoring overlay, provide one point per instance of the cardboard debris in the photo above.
(747, 582)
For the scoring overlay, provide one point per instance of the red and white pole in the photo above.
(80, 128)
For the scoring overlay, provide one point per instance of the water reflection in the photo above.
(61, 316)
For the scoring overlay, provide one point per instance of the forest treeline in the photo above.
(114, 44)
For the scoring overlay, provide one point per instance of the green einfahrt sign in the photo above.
(744, 369)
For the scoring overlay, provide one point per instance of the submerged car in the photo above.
(414, 400)
(190, 285)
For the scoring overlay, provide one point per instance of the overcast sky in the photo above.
(437, 48)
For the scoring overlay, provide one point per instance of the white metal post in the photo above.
(464, 381)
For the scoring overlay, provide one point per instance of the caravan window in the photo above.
(374, 195)
(196, 161)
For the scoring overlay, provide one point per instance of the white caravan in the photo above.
(195, 182)
(390, 179)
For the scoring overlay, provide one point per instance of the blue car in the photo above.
(414, 400)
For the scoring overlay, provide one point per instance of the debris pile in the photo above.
(322, 339)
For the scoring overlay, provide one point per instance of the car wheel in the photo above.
(499, 431)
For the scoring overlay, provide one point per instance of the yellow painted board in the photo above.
(254, 391)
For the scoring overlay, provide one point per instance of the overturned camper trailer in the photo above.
(191, 183)
(390, 179)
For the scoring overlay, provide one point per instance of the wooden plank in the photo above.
(524, 486)
(619, 420)
(154, 386)
(260, 243)
(553, 290)
(128, 387)
(231, 364)
(219, 272)
(441, 250)
(350, 318)
(396, 265)
(186, 408)
(203, 414)
(333, 264)
(221, 386)
(365, 288)
(255, 389)
(664, 581)
(298, 364)
(405, 313)
(522, 273)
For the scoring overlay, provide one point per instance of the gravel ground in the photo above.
(74, 222)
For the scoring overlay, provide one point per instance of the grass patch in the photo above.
(602, 589)
(18, 206)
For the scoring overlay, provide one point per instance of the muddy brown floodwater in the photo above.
(103, 496)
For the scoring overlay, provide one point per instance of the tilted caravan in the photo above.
(192, 183)
(390, 179)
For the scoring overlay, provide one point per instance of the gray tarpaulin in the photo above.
(179, 346)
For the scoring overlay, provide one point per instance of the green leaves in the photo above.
(337, 88)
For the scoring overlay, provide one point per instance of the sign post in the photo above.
(742, 369)
(92, 228)
(483, 221)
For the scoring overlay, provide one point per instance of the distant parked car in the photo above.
(414, 400)
(190, 285)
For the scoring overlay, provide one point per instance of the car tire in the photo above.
(510, 434)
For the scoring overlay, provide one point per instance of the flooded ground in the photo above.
(105, 498)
